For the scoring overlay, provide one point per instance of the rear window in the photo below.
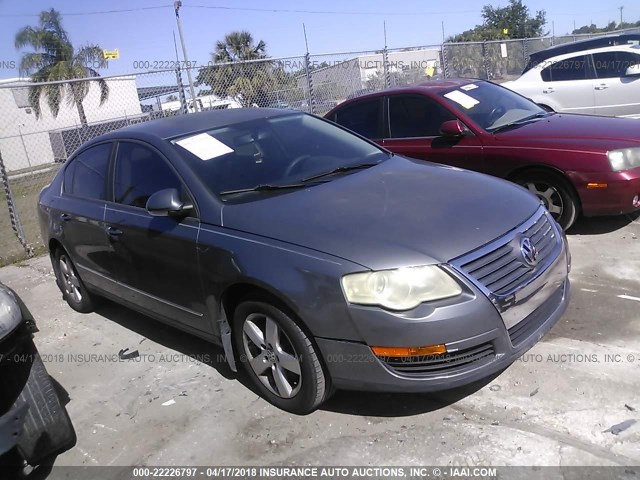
(86, 174)
(362, 118)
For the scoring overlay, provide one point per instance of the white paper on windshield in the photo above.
(471, 86)
(462, 98)
(204, 146)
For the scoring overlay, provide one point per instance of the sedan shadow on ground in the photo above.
(182, 342)
(602, 225)
(346, 402)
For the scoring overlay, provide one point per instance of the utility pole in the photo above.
(177, 4)
(621, 8)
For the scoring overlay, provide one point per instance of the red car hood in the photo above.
(567, 131)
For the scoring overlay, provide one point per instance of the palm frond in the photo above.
(32, 62)
(34, 99)
(90, 55)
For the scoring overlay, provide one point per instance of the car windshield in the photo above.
(491, 106)
(275, 154)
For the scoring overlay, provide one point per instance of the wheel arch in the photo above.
(547, 170)
(55, 244)
(237, 292)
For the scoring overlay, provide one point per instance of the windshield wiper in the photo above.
(522, 121)
(346, 168)
(264, 188)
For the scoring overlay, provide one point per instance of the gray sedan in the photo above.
(315, 258)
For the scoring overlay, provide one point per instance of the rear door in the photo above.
(615, 93)
(568, 85)
(414, 123)
(80, 211)
(155, 257)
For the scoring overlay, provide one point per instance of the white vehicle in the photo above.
(205, 102)
(595, 81)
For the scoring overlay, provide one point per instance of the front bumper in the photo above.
(483, 331)
(614, 199)
(353, 366)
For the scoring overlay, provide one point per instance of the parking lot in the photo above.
(177, 403)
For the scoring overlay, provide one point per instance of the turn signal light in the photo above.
(409, 351)
(597, 185)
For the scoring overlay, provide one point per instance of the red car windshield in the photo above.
(491, 106)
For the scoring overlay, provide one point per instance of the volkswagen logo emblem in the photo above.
(529, 252)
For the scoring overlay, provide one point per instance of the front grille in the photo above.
(450, 362)
(503, 269)
(526, 327)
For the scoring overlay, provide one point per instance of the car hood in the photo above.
(563, 130)
(399, 213)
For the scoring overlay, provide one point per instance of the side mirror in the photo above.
(453, 128)
(167, 203)
(633, 71)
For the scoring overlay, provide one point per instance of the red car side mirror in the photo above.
(453, 128)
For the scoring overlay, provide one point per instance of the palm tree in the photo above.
(239, 47)
(229, 75)
(54, 59)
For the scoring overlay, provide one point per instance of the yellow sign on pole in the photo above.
(505, 31)
(111, 54)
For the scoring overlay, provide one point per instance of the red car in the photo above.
(575, 164)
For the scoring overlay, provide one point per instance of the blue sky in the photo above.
(147, 35)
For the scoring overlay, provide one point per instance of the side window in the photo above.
(413, 116)
(86, 174)
(574, 68)
(362, 117)
(139, 173)
(614, 64)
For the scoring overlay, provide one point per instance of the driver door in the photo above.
(414, 131)
(156, 258)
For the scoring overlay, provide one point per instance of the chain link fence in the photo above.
(37, 137)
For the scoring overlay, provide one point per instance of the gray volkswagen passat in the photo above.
(317, 259)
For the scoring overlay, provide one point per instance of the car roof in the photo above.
(613, 48)
(181, 125)
(433, 86)
(582, 45)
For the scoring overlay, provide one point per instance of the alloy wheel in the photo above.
(549, 195)
(271, 355)
(71, 282)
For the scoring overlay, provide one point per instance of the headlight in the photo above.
(624, 159)
(400, 289)
(10, 314)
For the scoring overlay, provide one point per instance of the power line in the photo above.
(102, 12)
(325, 12)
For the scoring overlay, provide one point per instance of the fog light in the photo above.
(409, 351)
(636, 201)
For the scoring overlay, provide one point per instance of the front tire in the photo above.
(555, 193)
(70, 284)
(279, 357)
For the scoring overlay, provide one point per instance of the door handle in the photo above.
(65, 217)
(548, 90)
(602, 86)
(113, 233)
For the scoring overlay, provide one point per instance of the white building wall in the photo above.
(24, 139)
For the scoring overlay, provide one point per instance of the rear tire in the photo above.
(70, 284)
(554, 192)
(279, 357)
